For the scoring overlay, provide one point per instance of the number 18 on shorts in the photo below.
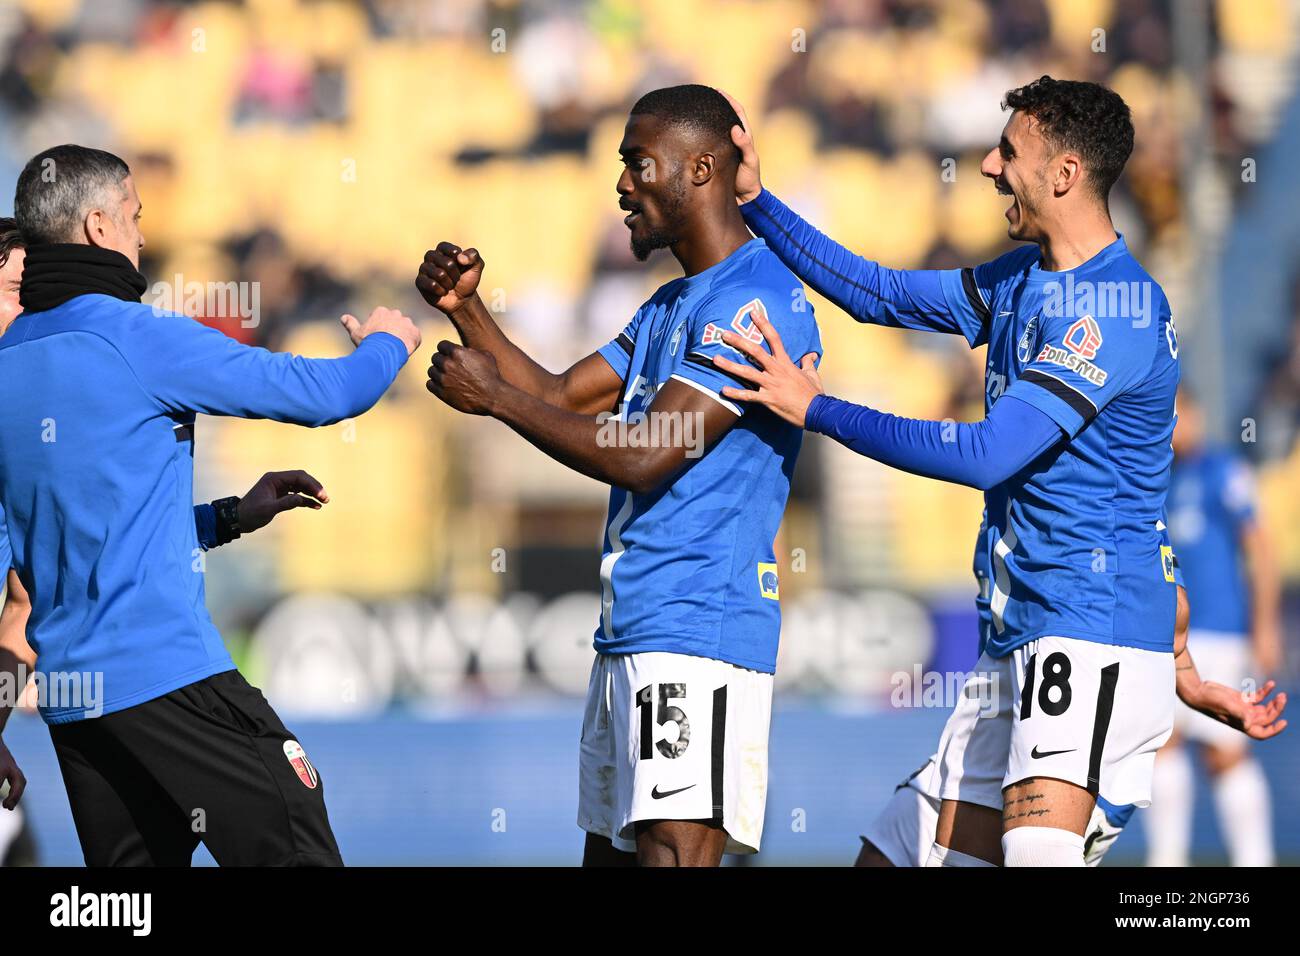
(1089, 713)
(674, 737)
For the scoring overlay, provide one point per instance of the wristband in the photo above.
(227, 510)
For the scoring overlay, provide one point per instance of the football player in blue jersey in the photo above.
(1073, 456)
(1229, 562)
(673, 756)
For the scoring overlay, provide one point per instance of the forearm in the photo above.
(864, 289)
(1187, 681)
(478, 330)
(1265, 583)
(14, 673)
(980, 455)
(16, 656)
(574, 440)
(326, 391)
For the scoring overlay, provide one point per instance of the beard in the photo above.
(667, 234)
(1033, 200)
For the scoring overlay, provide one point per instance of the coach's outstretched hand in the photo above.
(466, 379)
(782, 386)
(278, 491)
(449, 277)
(384, 320)
(10, 774)
(748, 183)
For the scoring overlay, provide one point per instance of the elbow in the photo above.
(341, 409)
(645, 475)
(638, 483)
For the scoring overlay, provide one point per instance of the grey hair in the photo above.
(59, 186)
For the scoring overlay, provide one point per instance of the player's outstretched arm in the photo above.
(448, 280)
(981, 455)
(597, 446)
(924, 299)
(188, 367)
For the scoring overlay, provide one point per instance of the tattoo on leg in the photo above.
(1024, 807)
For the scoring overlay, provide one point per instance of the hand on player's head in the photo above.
(449, 277)
(748, 182)
(387, 320)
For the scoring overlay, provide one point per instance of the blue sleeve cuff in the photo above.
(390, 342)
(205, 524)
(762, 208)
(814, 419)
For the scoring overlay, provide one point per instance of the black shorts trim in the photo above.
(1105, 704)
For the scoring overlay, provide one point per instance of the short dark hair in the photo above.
(693, 106)
(10, 238)
(1085, 117)
(57, 186)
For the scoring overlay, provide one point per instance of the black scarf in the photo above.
(55, 273)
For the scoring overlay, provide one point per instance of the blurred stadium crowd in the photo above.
(318, 147)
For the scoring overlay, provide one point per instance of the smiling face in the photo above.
(652, 187)
(11, 275)
(1020, 167)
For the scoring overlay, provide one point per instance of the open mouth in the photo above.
(1003, 190)
(633, 214)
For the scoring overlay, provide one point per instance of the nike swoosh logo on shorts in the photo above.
(656, 795)
(1049, 753)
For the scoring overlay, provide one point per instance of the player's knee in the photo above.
(1041, 846)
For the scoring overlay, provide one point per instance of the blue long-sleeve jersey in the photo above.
(1074, 536)
(97, 409)
(205, 526)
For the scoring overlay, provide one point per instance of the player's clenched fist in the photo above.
(384, 320)
(466, 379)
(449, 277)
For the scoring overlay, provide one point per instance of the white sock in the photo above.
(942, 856)
(1245, 814)
(1168, 822)
(1041, 846)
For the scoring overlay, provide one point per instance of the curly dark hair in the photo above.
(697, 107)
(1085, 117)
(10, 238)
